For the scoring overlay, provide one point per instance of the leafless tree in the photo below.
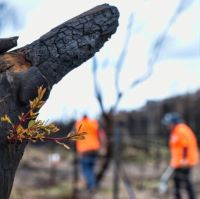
(153, 58)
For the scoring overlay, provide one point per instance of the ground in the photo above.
(37, 178)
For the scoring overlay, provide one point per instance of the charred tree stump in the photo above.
(44, 62)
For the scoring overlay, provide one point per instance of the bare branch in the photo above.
(96, 86)
(157, 48)
(121, 59)
(7, 43)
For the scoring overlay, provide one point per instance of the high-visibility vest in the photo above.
(182, 137)
(91, 141)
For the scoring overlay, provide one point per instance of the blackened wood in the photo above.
(72, 43)
(116, 160)
(7, 43)
(45, 62)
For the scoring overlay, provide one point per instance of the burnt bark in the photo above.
(7, 43)
(45, 62)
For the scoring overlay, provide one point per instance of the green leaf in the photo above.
(31, 123)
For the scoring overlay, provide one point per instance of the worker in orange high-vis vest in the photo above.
(184, 153)
(88, 148)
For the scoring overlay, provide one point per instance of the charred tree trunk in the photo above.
(45, 62)
(108, 119)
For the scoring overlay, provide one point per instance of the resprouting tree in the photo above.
(43, 63)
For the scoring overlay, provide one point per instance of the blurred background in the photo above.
(150, 66)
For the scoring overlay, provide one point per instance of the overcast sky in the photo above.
(176, 72)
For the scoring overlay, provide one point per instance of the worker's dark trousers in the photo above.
(182, 179)
(87, 162)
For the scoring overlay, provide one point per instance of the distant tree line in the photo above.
(147, 120)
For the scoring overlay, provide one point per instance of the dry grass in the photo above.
(35, 178)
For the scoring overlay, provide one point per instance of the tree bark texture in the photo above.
(44, 62)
